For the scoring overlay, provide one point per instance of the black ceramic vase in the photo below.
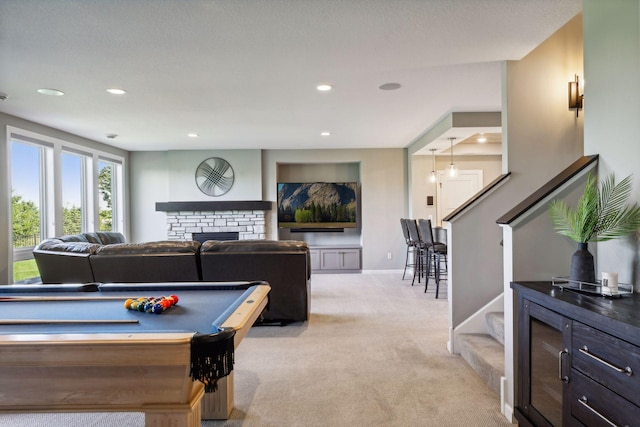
(582, 268)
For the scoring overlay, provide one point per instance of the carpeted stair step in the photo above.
(485, 355)
(495, 325)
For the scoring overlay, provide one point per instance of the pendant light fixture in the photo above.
(453, 170)
(433, 178)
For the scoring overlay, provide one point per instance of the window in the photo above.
(28, 218)
(73, 199)
(109, 178)
(59, 188)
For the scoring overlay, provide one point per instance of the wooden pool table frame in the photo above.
(141, 372)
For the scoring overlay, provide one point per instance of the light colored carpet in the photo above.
(373, 354)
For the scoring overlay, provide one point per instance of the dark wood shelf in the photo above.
(223, 205)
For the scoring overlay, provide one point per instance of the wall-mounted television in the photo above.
(317, 206)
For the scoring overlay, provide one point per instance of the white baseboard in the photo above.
(505, 408)
(384, 272)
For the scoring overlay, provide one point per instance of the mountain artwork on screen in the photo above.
(317, 205)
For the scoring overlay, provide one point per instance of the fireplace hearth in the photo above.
(216, 235)
(187, 220)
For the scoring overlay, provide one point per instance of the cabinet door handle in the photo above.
(560, 354)
(584, 402)
(628, 371)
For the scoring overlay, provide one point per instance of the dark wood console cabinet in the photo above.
(577, 358)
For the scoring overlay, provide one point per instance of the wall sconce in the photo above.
(453, 170)
(433, 177)
(576, 97)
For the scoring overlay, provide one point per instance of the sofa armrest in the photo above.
(283, 264)
(259, 246)
(64, 262)
(69, 247)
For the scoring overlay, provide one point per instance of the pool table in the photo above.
(76, 348)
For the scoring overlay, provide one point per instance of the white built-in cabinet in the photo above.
(336, 259)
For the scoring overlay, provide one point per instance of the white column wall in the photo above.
(612, 112)
(383, 194)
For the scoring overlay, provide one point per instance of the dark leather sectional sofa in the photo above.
(105, 257)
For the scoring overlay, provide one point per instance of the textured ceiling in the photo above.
(242, 74)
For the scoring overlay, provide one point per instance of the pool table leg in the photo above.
(219, 404)
(185, 415)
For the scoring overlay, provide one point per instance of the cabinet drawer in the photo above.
(592, 404)
(610, 361)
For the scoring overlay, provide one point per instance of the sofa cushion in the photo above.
(248, 246)
(160, 247)
(73, 238)
(104, 237)
(255, 246)
(162, 261)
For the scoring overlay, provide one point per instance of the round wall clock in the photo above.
(214, 176)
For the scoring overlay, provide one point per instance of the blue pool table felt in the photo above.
(202, 308)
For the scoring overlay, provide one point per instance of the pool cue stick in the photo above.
(56, 321)
(59, 298)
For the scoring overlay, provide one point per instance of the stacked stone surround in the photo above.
(250, 224)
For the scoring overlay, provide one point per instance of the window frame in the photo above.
(86, 211)
(117, 189)
(51, 187)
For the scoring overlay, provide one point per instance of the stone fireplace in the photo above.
(246, 218)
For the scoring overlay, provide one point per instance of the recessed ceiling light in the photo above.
(52, 92)
(111, 135)
(325, 133)
(324, 87)
(193, 135)
(390, 86)
(482, 139)
(115, 91)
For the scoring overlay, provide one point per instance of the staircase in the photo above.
(485, 352)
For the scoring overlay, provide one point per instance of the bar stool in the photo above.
(410, 247)
(435, 251)
(419, 250)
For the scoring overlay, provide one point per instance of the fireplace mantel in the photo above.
(223, 205)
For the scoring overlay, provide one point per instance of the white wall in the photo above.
(383, 198)
(327, 172)
(162, 176)
(543, 138)
(421, 187)
(169, 176)
(612, 111)
(148, 184)
(469, 122)
(245, 163)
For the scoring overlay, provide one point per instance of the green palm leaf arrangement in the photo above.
(602, 213)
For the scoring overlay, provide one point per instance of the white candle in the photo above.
(609, 283)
